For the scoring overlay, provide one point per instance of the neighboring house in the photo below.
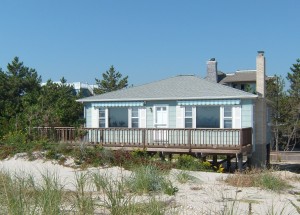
(85, 88)
(241, 79)
(183, 110)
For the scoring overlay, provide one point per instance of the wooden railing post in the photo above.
(144, 138)
(189, 140)
(241, 137)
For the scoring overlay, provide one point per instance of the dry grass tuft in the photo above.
(265, 179)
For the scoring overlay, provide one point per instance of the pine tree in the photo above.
(294, 78)
(294, 92)
(111, 81)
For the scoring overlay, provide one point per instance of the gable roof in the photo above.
(241, 76)
(182, 87)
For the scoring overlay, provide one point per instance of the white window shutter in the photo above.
(194, 116)
(222, 117)
(129, 117)
(179, 116)
(142, 117)
(95, 117)
(106, 118)
(236, 117)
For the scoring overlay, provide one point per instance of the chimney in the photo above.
(261, 74)
(212, 70)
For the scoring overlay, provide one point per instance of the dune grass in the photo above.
(264, 179)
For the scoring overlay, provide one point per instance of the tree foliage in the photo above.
(111, 81)
(24, 103)
(18, 88)
(294, 97)
(280, 108)
(294, 79)
(285, 108)
(57, 105)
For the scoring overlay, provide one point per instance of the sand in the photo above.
(207, 193)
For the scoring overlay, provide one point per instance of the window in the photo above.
(242, 86)
(101, 117)
(188, 117)
(135, 117)
(208, 117)
(118, 117)
(227, 117)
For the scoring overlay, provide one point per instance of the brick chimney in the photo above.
(212, 70)
(260, 74)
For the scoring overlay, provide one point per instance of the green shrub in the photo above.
(188, 162)
(138, 153)
(14, 138)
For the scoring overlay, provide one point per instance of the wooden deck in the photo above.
(206, 141)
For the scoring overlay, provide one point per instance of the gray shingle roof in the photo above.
(182, 87)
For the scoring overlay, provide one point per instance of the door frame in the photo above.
(154, 114)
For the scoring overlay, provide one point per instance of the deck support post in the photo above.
(144, 138)
(162, 156)
(240, 161)
(228, 162)
(249, 161)
(215, 160)
(170, 156)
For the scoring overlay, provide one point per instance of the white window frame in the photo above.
(105, 117)
(188, 117)
(135, 117)
(228, 117)
(233, 117)
(193, 117)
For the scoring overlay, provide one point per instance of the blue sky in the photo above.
(147, 40)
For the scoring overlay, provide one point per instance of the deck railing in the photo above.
(188, 139)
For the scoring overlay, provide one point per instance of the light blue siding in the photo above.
(247, 109)
(246, 112)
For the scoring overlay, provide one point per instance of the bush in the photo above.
(14, 138)
(16, 142)
(188, 162)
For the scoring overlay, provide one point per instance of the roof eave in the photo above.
(167, 98)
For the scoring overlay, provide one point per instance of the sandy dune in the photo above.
(205, 194)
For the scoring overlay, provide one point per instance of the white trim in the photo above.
(129, 117)
(94, 117)
(142, 117)
(194, 116)
(106, 118)
(180, 116)
(236, 116)
(221, 116)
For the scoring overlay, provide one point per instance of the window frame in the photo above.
(102, 117)
(134, 117)
(188, 117)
